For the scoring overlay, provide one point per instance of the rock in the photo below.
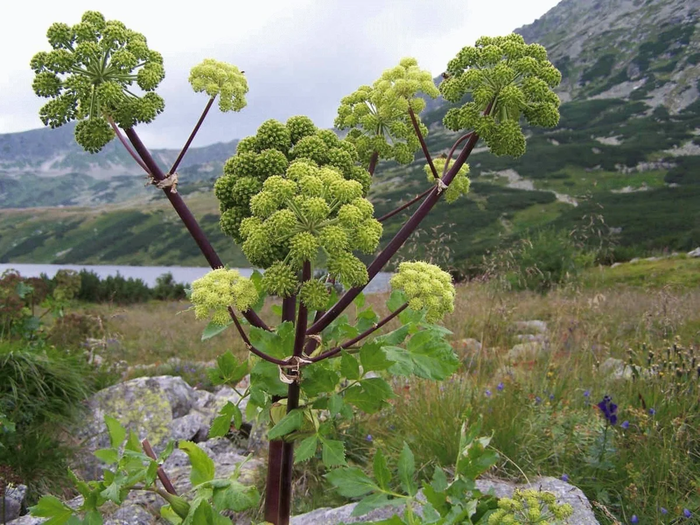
(132, 515)
(694, 253)
(31, 520)
(470, 345)
(530, 327)
(14, 502)
(616, 368)
(538, 338)
(527, 351)
(146, 405)
(565, 493)
(192, 427)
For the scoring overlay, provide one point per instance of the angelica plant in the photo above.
(297, 199)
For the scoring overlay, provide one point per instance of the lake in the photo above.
(149, 274)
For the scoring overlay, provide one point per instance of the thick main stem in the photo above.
(292, 404)
(395, 244)
(373, 162)
(187, 218)
(276, 446)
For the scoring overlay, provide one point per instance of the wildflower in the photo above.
(634, 519)
(565, 478)
(609, 410)
(664, 511)
(687, 513)
(500, 387)
(587, 393)
(488, 393)
(538, 400)
(652, 411)
(369, 438)
(551, 397)
(625, 424)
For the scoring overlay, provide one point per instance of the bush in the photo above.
(40, 394)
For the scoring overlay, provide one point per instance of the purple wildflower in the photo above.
(587, 393)
(565, 478)
(488, 393)
(369, 438)
(652, 411)
(538, 400)
(664, 511)
(551, 397)
(687, 513)
(625, 424)
(500, 386)
(609, 410)
(634, 519)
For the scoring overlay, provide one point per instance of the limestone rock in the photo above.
(616, 368)
(694, 253)
(14, 502)
(527, 351)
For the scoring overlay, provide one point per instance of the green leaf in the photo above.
(407, 467)
(319, 378)
(228, 370)
(117, 432)
(108, 455)
(333, 454)
(381, 471)
(396, 300)
(439, 482)
(236, 497)
(288, 424)
(373, 358)
(366, 319)
(169, 448)
(93, 517)
(401, 359)
(279, 344)
(373, 501)
(369, 395)
(168, 514)
(202, 465)
(306, 449)
(349, 367)
(266, 376)
(335, 404)
(51, 507)
(256, 278)
(432, 355)
(351, 482)
(213, 329)
(359, 300)
(394, 338)
(222, 423)
(276, 309)
(113, 492)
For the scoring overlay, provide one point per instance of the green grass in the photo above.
(677, 272)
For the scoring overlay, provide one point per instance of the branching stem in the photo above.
(423, 145)
(127, 146)
(173, 169)
(404, 206)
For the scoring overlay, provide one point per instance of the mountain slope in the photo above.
(627, 149)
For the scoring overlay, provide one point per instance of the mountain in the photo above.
(45, 167)
(626, 153)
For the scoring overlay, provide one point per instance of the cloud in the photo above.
(300, 57)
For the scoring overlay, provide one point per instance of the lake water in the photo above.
(149, 274)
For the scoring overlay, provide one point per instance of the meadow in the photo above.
(540, 400)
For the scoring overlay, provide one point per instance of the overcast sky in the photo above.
(300, 56)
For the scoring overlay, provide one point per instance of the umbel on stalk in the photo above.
(297, 200)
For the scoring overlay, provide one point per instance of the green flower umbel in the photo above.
(90, 74)
(222, 79)
(459, 185)
(427, 288)
(514, 78)
(219, 289)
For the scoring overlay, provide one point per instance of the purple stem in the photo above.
(373, 162)
(395, 244)
(192, 135)
(366, 333)
(404, 206)
(187, 218)
(423, 145)
(126, 145)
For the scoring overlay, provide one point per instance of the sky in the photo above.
(300, 56)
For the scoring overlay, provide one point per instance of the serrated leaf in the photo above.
(394, 338)
(222, 423)
(335, 404)
(371, 502)
(93, 517)
(366, 319)
(51, 507)
(396, 300)
(351, 482)
(381, 471)
(288, 424)
(277, 344)
(203, 469)
(406, 468)
(319, 378)
(349, 367)
(359, 300)
(374, 358)
(108, 455)
(265, 376)
(306, 449)
(151, 473)
(167, 451)
(439, 481)
(113, 492)
(213, 329)
(333, 454)
(236, 497)
(133, 443)
(117, 432)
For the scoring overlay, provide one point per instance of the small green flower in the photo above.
(530, 507)
(426, 287)
(280, 279)
(220, 79)
(513, 78)
(90, 75)
(314, 294)
(459, 185)
(219, 289)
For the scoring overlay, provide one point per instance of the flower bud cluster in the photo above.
(219, 289)
(514, 78)
(378, 114)
(531, 507)
(459, 185)
(89, 75)
(427, 288)
(222, 79)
